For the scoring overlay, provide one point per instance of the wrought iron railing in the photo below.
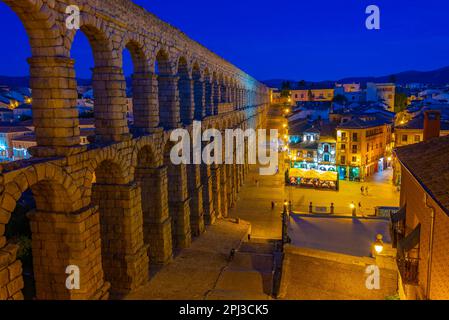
(409, 269)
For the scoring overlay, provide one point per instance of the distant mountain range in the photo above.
(435, 77)
(25, 81)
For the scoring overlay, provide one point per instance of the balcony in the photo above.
(408, 268)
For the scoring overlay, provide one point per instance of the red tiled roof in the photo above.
(428, 162)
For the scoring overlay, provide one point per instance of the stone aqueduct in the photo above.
(115, 206)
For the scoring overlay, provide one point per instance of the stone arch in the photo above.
(145, 109)
(199, 86)
(54, 193)
(216, 78)
(168, 96)
(43, 175)
(108, 82)
(39, 22)
(185, 89)
(178, 202)
(163, 64)
(208, 92)
(121, 225)
(151, 177)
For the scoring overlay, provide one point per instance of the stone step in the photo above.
(246, 281)
(252, 262)
(257, 248)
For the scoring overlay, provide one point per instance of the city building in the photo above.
(421, 227)
(429, 123)
(352, 92)
(23, 112)
(312, 154)
(6, 114)
(7, 135)
(364, 146)
(312, 94)
(382, 92)
(412, 131)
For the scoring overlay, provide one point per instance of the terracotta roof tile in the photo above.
(429, 163)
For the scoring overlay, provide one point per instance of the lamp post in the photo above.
(352, 206)
(379, 244)
(284, 225)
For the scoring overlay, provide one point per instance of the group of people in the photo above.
(364, 190)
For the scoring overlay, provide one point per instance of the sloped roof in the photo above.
(417, 123)
(428, 163)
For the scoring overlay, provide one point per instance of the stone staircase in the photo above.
(249, 275)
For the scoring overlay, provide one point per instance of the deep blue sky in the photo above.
(296, 39)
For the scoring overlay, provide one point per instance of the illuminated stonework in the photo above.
(140, 206)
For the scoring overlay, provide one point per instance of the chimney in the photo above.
(432, 124)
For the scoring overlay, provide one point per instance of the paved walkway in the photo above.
(196, 271)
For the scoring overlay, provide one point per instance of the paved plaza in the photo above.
(344, 235)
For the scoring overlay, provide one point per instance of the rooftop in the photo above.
(428, 163)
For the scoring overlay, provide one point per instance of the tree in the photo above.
(285, 91)
(301, 84)
(400, 102)
(392, 78)
(310, 94)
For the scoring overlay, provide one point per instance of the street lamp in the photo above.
(352, 206)
(284, 225)
(379, 244)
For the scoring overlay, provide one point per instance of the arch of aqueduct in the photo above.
(89, 208)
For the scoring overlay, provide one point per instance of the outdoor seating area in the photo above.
(313, 179)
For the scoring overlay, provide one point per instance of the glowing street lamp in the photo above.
(352, 206)
(379, 244)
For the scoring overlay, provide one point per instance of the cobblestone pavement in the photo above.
(195, 271)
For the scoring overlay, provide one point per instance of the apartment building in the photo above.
(421, 227)
(364, 146)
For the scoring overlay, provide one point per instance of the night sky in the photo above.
(294, 39)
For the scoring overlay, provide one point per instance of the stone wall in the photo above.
(117, 206)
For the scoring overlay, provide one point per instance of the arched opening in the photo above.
(200, 93)
(185, 88)
(141, 88)
(15, 92)
(100, 100)
(33, 253)
(167, 91)
(123, 253)
(152, 180)
(217, 91)
(208, 93)
(178, 204)
(223, 90)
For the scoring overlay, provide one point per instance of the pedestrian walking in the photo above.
(362, 189)
(272, 205)
(366, 190)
